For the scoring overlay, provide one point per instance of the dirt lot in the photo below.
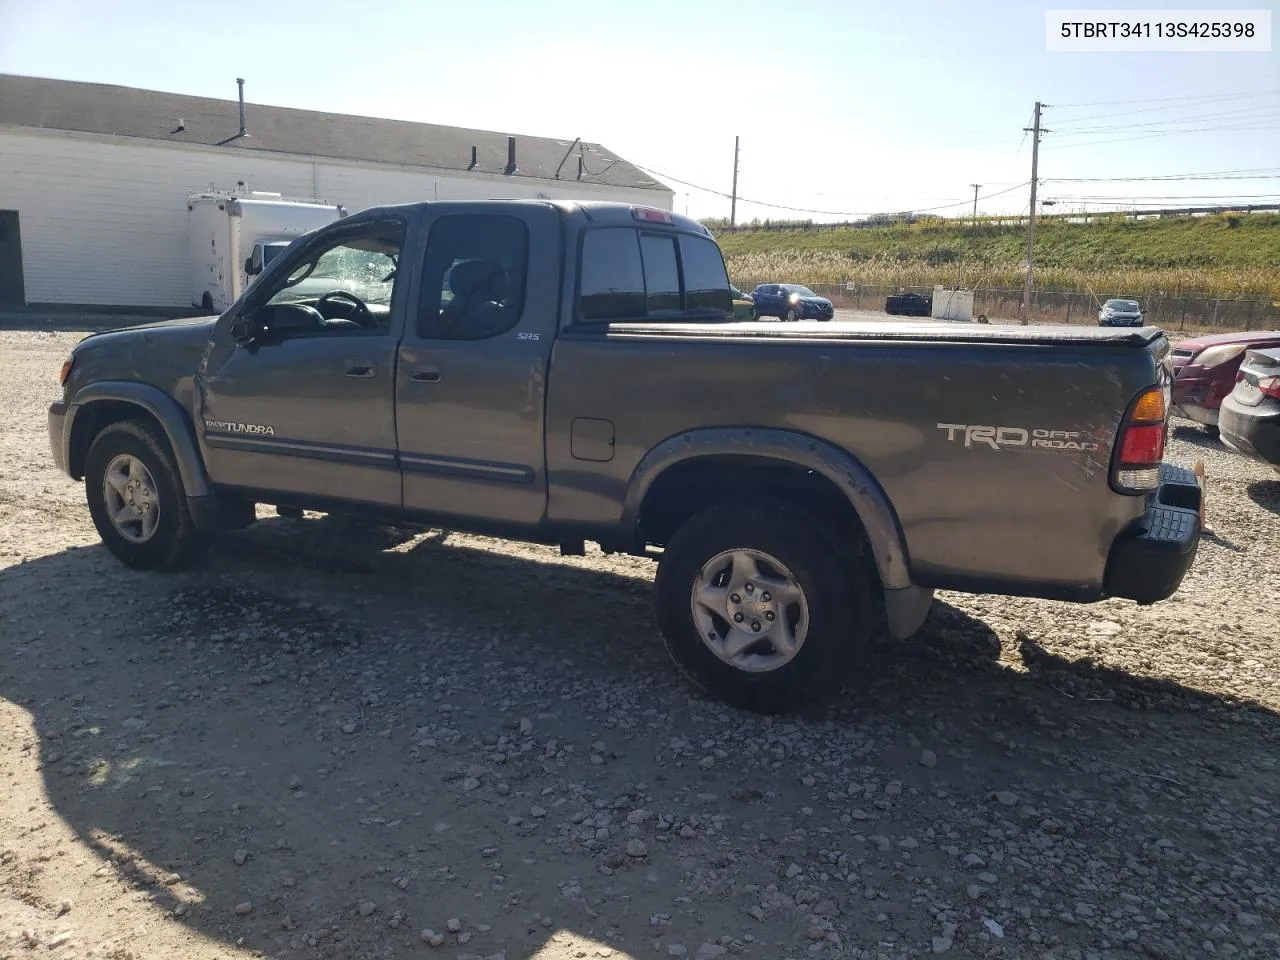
(333, 743)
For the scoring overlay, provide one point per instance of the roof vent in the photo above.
(474, 159)
(511, 156)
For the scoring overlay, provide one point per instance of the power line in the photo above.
(1169, 196)
(1127, 113)
(1163, 133)
(1263, 113)
(826, 213)
(1171, 178)
(1199, 96)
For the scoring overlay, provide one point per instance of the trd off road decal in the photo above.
(226, 426)
(999, 438)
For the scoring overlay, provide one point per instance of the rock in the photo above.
(708, 950)
(676, 950)
(688, 833)
(244, 909)
(975, 891)
(827, 908)
(348, 728)
(295, 782)
(756, 913)
(1006, 798)
(988, 878)
(431, 938)
(794, 870)
(942, 944)
(133, 723)
(815, 932)
(928, 759)
(367, 908)
(454, 925)
(240, 857)
(537, 812)
(64, 908)
(637, 848)
(972, 860)
(526, 726)
(636, 817)
(470, 783)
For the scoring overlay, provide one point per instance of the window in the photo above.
(612, 275)
(630, 275)
(706, 284)
(661, 274)
(473, 277)
(341, 285)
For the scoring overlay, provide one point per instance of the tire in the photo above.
(755, 313)
(793, 315)
(835, 589)
(173, 541)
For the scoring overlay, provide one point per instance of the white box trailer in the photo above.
(233, 236)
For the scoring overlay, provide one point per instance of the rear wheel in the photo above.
(759, 608)
(136, 499)
(793, 315)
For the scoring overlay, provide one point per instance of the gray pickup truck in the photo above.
(562, 373)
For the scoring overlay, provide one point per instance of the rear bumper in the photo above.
(1253, 431)
(1149, 560)
(1193, 411)
(59, 434)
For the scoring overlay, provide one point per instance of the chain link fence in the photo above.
(1189, 313)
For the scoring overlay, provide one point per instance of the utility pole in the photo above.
(1031, 221)
(733, 204)
(976, 188)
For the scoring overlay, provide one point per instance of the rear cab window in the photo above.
(630, 273)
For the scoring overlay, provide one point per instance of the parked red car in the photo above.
(1205, 368)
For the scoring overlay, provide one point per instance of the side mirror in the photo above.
(253, 265)
(245, 329)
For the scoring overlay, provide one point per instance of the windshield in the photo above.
(363, 267)
(796, 288)
(1122, 306)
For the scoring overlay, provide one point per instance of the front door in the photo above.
(12, 291)
(304, 405)
(472, 374)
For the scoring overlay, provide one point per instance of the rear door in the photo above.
(472, 370)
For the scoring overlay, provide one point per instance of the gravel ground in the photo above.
(332, 742)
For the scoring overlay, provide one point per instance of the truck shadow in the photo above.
(329, 729)
(1266, 494)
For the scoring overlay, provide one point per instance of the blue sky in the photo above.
(842, 107)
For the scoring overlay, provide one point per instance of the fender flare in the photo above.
(852, 478)
(167, 412)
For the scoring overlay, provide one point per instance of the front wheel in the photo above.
(759, 608)
(793, 315)
(136, 499)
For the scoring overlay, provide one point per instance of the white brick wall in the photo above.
(104, 221)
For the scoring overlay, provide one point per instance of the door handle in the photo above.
(425, 376)
(360, 368)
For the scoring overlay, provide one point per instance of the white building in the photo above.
(94, 179)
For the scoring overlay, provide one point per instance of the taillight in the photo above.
(1140, 444)
(1270, 387)
(66, 370)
